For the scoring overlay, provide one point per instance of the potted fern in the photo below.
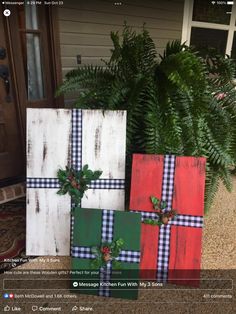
(176, 103)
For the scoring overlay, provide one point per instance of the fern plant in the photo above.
(177, 103)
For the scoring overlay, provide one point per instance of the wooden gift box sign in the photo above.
(92, 228)
(60, 137)
(170, 252)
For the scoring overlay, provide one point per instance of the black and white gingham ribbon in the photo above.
(146, 215)
(107, 236)
(179, 220)
(82, 252)
(187, 221)
(76, 161)
(113, 184)
(53, 183)
(48, 183)
(165, 230)
(168, 181)
(76, 139)
(124, 256)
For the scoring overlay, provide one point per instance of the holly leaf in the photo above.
(95, 250)
(88, 175)
(120, 242)
(61, 172)
(97, 174)
(76, 192)
(112, 246)
(116, 264)
(152, 222)
(154, 200)
(163, 204)
(148, 221)
(61, 192)
(115, 252)
(85, 168)
(96, 263)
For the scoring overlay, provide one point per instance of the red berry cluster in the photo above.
(165, 217)
(105, 250)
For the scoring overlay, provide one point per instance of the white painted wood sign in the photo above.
(60, 137)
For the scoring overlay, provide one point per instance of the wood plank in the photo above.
(149, 243)
(91, 40)
(146, 181)
(135, 7)
(93, 28)
(188, 199)
(44, 155)
(85, 39)
(104, 199)
(85, 26)
(185, 256)
(73, 50)
(189, 194)
(48, 216)
(105, 132)
(47, 223)
(161, 21)
(71, 62)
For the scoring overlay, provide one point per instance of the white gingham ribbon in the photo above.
(165, 230)
(127, 256)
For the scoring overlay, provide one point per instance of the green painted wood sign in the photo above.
(105, 254)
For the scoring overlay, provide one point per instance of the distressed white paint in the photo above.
(48, 132)
(48, 215)
(48, 223)
(110, 199)
(104, 134)
(48, 148)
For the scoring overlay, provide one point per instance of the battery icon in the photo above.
(230, 2)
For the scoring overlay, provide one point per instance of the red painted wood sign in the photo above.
(172, 251)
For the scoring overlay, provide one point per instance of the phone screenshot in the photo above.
(117, 156)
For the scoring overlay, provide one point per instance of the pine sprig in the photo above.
(107, 252)
(162, 218)
(75, 183)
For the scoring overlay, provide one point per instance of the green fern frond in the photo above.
(181, 103)
(211, 188)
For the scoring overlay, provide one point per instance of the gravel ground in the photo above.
(218, 252)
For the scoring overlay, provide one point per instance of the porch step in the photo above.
(12, 192)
